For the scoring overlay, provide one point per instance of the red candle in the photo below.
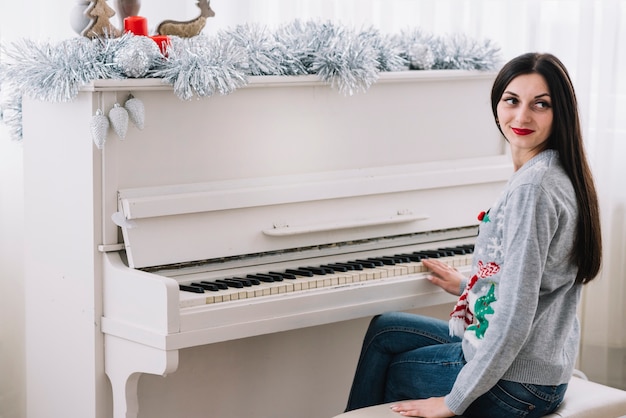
(162, 41)
(137, 25)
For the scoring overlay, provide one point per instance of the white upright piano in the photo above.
(282, 206)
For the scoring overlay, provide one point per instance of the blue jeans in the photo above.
(406, 356)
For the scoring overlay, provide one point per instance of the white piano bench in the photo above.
(583, 399)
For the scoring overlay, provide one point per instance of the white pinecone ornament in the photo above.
(136, 111)
(119, 120)
(99, 128)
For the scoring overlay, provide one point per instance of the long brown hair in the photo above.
(566, 138)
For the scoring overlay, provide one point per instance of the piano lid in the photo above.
(278, 166)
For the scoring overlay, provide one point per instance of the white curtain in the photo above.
(588, 35)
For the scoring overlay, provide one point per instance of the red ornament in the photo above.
(481, 215)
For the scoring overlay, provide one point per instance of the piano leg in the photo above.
(125, 361)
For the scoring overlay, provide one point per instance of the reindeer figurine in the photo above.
(188, 28)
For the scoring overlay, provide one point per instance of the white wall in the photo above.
(11, 284)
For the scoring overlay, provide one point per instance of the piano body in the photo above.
(282, 174)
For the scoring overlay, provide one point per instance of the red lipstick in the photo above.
(520, 131)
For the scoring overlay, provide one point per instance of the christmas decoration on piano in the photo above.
(99, 128)
(345, 58)
(137, 57)
(136, 111)
(92, 19)
(100, 25)
(189, 28)
(119, 116)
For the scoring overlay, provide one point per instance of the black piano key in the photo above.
(397, 259)
(187, 288)
(206, 286)
(251, 280)
(348, 266)
(369, 263)
(274, 277)
(353, 265)
(219, 285)
(315, 270)
(335, 267)
(400, 259)
(387, 261)
(454, 250)
(412, 257)
(284, 275)
(429, 253)
(266, 279)
(299, 272)
(244, 282)
(469, 248)
(364, 264)
(231, 283)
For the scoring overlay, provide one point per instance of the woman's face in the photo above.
(525, 116)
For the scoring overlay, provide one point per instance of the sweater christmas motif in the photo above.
(482, 308)
(474, 301)
(468, 303)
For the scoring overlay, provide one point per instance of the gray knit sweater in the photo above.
(523, 310)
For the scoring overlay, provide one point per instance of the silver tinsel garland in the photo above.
(203, 66)
(345, 60)
(348, 59)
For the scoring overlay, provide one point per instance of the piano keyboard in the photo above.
(334, 274)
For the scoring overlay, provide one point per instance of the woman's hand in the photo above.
(425, 408)
(444, 276)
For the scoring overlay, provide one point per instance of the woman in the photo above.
(511, 343)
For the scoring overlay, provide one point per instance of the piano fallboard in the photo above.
(188, 222)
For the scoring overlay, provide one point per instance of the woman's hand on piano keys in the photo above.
(446, 277)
